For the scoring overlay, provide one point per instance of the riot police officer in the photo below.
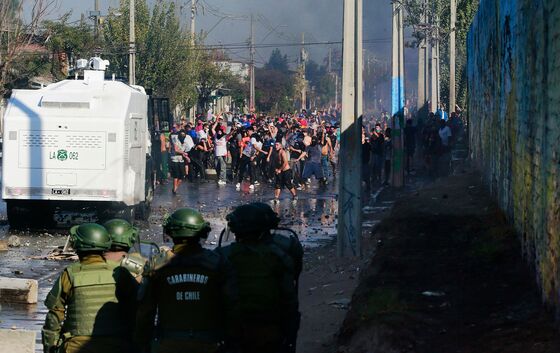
(266, 279)
(290, 244)
(91, 305)
(194, 294)
(123, 237)
(292, 247)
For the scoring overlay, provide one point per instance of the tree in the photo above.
(314, 72)
(466, 9)
(377, 76)
(16, 34)
(166, 62)
(164, 55)
(325, 90)
(273, 90)
(277, 61)
(116, 35)
(238, 89)
(322, 81)
(210, 78)
(67, 43)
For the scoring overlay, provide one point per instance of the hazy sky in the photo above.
(320, 20)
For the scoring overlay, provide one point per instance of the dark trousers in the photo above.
(245, 164)
(387, 170)
(377, 167)
(197, 165)
(234, 161)
(366, 174)
(296, 167)
(262, 166)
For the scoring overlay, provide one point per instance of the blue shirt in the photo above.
(442, 115)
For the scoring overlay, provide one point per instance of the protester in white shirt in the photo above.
(220, 151)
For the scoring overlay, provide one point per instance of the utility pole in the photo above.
(423, 68)
(193, 19)
(349, 188)
(438, 71)
(335, 76)
(434, 77)
(397, 111)
(132, 46)
(252, 69)
(359, 70)
(335, 90)
(95, 15)
(330, 61)
(193, 109)
(303, 55)
(433, 71)
(452, 86)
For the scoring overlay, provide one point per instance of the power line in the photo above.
(216, 12)
(238, 46)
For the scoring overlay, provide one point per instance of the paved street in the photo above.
(313, 217)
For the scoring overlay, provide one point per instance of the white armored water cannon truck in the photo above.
(77, 150)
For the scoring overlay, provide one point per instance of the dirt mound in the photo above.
(448, 277)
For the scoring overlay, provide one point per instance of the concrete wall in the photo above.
(514, 111)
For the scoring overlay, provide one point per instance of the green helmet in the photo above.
(122, 232)
(252, 218)
(90, 237)
(186, 223)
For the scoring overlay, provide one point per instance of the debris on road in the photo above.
(15, 340)
(433, 294)
(57, 254)
(14, 241)
(18, 290)
(342, 303)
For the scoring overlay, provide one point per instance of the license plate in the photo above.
(60, 191)
(71, 218)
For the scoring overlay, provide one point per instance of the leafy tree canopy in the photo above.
(277, 61)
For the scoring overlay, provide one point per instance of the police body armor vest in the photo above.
(93, 308)
(190, 297)
(260, 270)
(292, 247)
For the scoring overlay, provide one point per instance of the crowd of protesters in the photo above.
(284, 151)
(287, 150)
(427, 145)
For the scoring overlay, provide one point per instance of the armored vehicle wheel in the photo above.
(18, 216)
(29, 214)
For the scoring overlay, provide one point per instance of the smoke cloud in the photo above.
(276, 22)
